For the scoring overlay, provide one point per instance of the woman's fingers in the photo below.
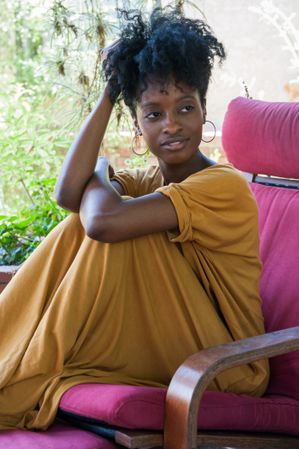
(105, 51)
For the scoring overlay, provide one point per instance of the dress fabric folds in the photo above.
(83, 311)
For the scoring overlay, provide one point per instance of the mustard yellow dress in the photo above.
(82, 311)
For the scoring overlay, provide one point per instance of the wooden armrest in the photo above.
(196, 373)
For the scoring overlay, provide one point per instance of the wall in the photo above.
(6, 274)
(256, 52)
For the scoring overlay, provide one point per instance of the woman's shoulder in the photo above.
(217, 185)
(219, 169)
(224, 174)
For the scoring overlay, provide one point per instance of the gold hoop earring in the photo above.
(215, 131)
(136, 143)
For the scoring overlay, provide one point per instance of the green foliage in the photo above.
(22, 232)
(32, 141)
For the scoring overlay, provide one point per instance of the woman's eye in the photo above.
(187, 108)
(154, 114)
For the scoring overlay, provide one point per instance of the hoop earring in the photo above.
(215, 131)
(136, 143)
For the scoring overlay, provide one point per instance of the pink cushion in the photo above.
(262, 137)
(59, 436)
(143, 408)
(279, 225)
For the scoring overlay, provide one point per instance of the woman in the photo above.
(153, 265)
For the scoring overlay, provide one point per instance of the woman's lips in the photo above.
(175, 144)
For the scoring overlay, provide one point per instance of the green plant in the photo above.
(32, 141)
(21, 40)
(23, 231)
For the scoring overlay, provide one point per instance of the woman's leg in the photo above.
(83, 311)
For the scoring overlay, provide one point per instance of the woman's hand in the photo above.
(106, 50)
(102, 165)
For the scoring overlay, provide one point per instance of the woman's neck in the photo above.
(177, 173)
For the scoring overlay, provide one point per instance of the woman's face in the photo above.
(171, 118)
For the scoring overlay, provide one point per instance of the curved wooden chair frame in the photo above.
(186, 389)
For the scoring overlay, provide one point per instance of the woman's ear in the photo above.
(136, 127)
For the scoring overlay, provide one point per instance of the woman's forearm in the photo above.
(79, 164)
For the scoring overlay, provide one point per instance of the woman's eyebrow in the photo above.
(157, 103)
(186, 97)
(149, 104)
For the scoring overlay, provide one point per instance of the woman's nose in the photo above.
(172, 124)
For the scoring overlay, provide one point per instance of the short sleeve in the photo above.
(215, 208)
(140, 181)
(127, 179)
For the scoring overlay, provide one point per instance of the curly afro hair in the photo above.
(167, 47)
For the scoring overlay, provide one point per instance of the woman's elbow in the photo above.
(99, 228)
(65, 202)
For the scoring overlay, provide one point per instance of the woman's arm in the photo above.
(108, 217)
(80, 162)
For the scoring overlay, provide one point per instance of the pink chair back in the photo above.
(263, 138)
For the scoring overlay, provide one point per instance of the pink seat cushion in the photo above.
(143, 408)
(279, 225)
(262, 136)
(59, 436)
